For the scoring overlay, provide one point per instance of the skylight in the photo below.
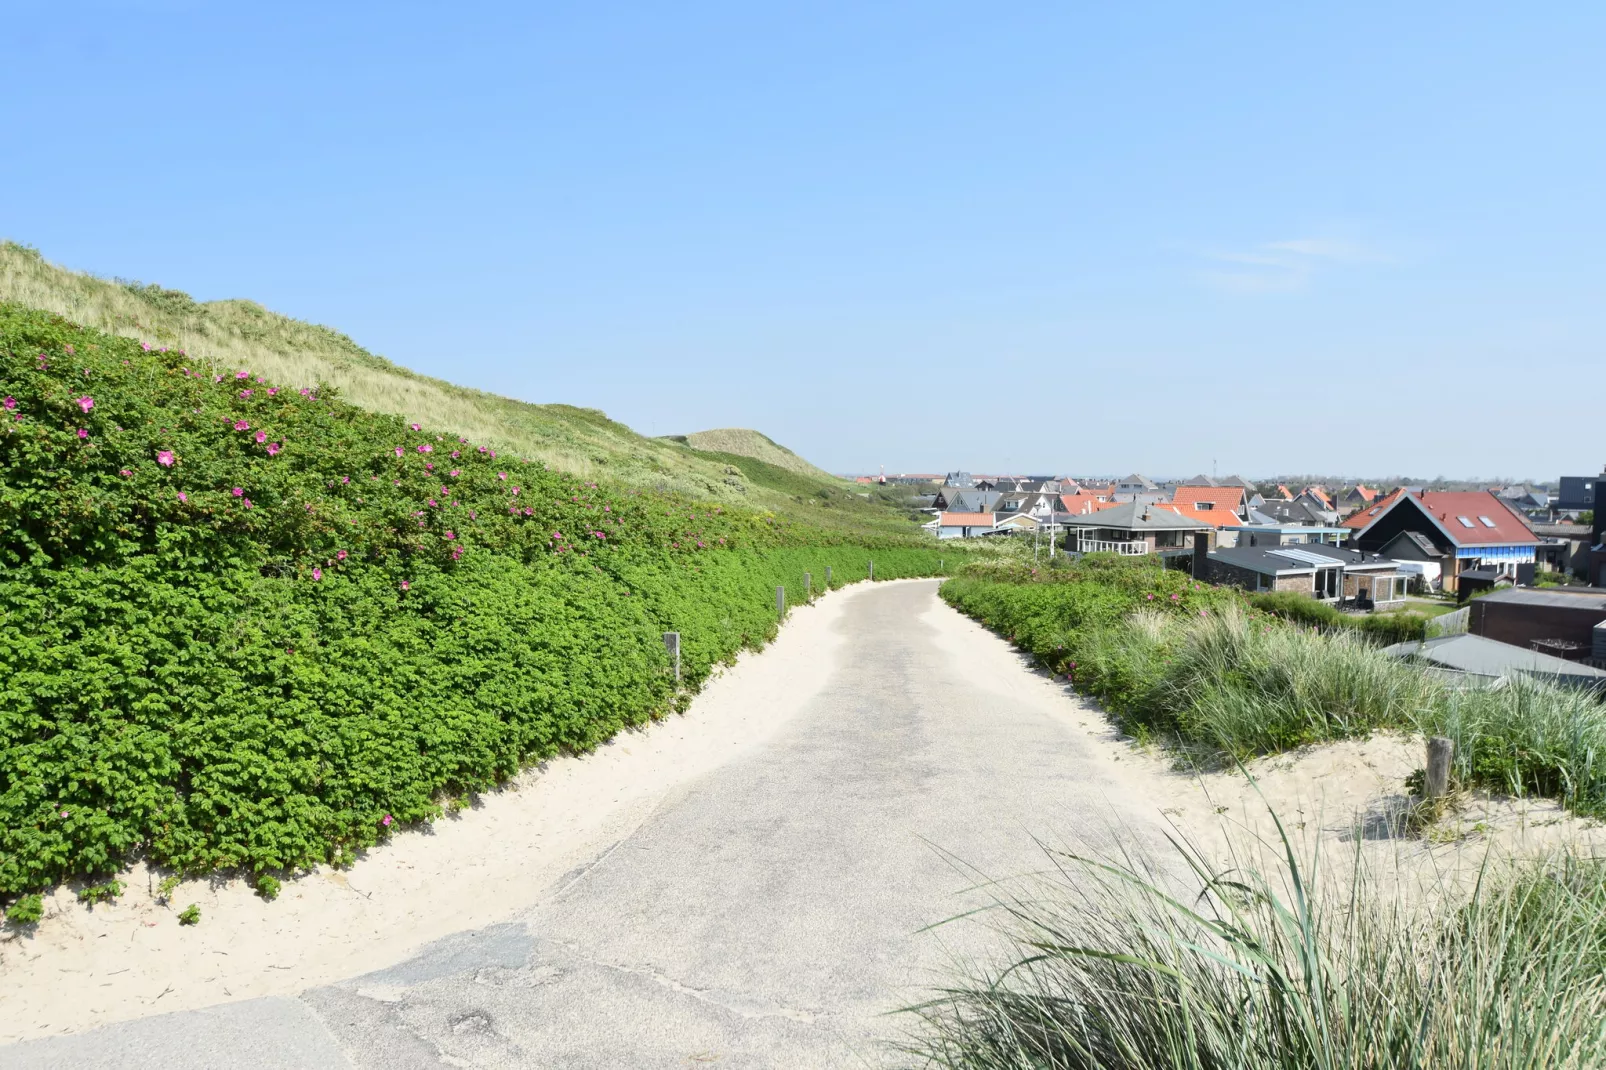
(1486, 521)
(1464, 521)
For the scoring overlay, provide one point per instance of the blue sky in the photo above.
(1046, 237)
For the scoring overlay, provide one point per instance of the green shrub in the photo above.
(190, 915)
(100, 893)
(245, 625)
(27, 910)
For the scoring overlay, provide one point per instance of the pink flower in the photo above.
(273, 449)
(242, 375)
(86, 403)
(272, 390)
(241, 425)
(340, 555)
(317, 573)
(1176, 598)
(426, 448)
(386, 820)
(245, 393)
(501, 475)
(455, 455)
(183, 497)
(1149, 597)
(515, 491)
(248, 503)
(305, 391)
(415, 427)
(83, 432)
(164, 458)
(262, 436)
(450, 535)
(398, 451)
(345, 479)
(125, 473)
(238, 492)
(456, 472)
(10, 403)
(482, 449)
(146, 346)
(405, 585)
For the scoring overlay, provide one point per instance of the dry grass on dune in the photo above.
(243, 334)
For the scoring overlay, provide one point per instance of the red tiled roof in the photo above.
(966, 520)
(1363, 517)
(1321, 495)
(1216, 518)
(1367, 493)
(1221, 499)
(1082, 503)
(1505, 527)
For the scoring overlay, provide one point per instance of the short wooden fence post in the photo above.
(872, 570)
(808, 586)
(1437, 782)
(672, 644)
(827, 577)
(780, 601)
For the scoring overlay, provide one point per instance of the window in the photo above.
(1486, 521)
(1204, 505)
(1464, 521)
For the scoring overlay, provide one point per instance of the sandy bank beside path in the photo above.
(83, 968)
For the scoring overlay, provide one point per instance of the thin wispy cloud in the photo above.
(1281, 266)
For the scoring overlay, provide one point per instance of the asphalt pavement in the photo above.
(770, 913)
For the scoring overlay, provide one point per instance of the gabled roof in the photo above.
(1198, 481)
(1321, 495)
(1221, 499)
(1138, 516)
(1135, 479)
(966, 520)
(1465, 518)
(1476, 518)
(1216, 518)
(1082, 503)
(1362, 518)
(1365, 493)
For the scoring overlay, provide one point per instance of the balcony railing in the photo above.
(1105, 546)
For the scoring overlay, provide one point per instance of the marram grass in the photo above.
(1263, 965)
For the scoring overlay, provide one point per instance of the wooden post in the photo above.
(872, 570)
(808, 586)
(780, 601)
(672, 644)
(1437, 783)
(827, 577)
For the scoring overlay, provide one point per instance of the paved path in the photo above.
(766, 915)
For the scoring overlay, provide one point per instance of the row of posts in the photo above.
(672, 639)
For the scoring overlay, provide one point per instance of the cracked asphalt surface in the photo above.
(768, 914)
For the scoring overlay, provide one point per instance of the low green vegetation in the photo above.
(251, 627)
(1393, 627)
(1262, 966)
(1217, 675)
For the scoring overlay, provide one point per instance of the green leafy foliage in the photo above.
(100, 893)
(27, 910)
(248, 627)
(190, 915)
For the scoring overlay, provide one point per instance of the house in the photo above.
(1359, 495)
(961, 525)
(1213, 499)
(1577, 493)
(1326, 573)
(958, 479)
(1133, 529)
(1263, 529)
(961, 500)
(1319, 499)
(1470, 529)
(1555, 620)
(1137, 488)
(1479, 660)
(1040, 504)
(1083, 502)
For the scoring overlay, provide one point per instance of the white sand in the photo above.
(85, 967)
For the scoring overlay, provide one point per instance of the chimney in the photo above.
(1201, 554)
